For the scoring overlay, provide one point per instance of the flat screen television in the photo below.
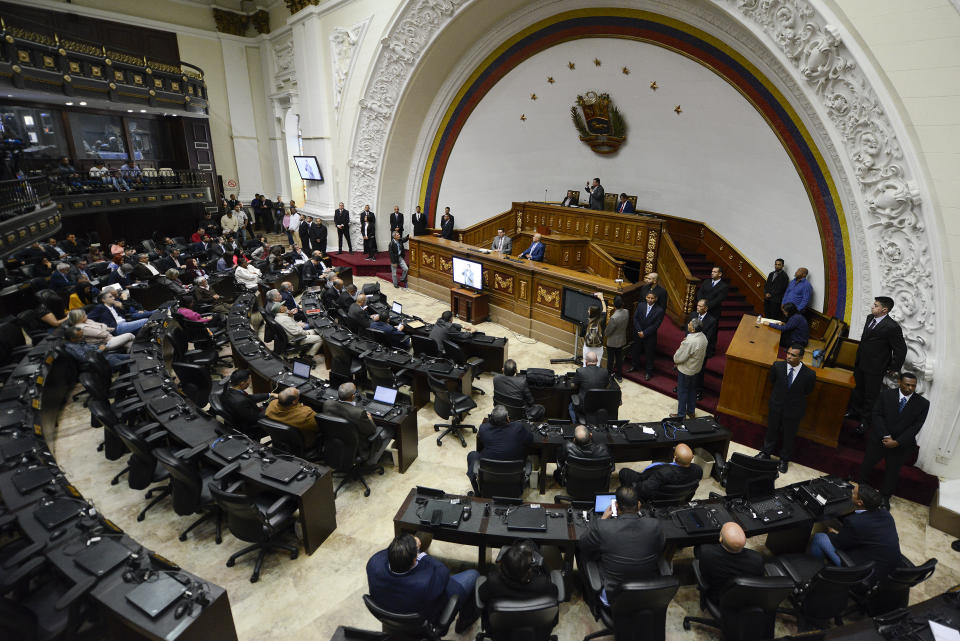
(467, 273)
(574, 306)
(309, 168)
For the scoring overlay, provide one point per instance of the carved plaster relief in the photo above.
(344, 44)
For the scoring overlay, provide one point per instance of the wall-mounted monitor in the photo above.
(467, 273)
(308, 167)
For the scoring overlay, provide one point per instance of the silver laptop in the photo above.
(383, 401)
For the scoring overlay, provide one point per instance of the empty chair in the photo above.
(412, 627)
(145, 469)
(424, 346)
(189, 486)
(344, 368)
(821, 592)
(381, 374)
(449, 404)
(195, 382)
(747, 608)
(502, 478)
(585, 477)
(263, 520)
(598, 406)
(474, 364)
(639, 611)
(178, 339)
(341, 451)
(746, 476)
(893, 592)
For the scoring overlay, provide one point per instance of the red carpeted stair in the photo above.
(843, 461)
(361, 266)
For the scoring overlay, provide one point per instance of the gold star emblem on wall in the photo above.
(523, 117)
(626, 71)
(597, 62)
(570, 65)
(533, 96)
(550, 79)
(678, 110)
(653, 85)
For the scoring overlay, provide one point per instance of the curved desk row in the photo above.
(193, 429)
(97, 566)
(271, 372)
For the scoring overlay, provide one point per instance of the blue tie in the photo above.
(903, 402)
(793, 371)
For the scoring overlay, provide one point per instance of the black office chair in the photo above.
(424, 346)
(263, 520)
(447, 404)
(44, 606)
(291, 440)
(344, 368)
(670, 495)
(381, 374)
(745, 476)
(195, 382)
(820, 591)
(189, 484)
(516, 409)
(412, 627)
(598, 407)
(206, 338)
(113, 445)
(585, 477)
(531, 619)
(502, 478)
(474, 364)
(638, 611)
(748, 606)
(341, 450)
(145, 469)
(178, 339)
(893, 591)
(283, 346)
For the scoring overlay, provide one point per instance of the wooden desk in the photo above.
(745, 389)
(472, 307)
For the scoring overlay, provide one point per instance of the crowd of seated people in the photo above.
(102, 176)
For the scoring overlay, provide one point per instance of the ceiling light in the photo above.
(129, 111)
(143, 111)
(69, 104)
(83, 104)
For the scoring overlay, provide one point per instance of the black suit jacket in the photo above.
(776, 285)
(342, 217)
(359, 316)
(397, 250)
(242, 406)
(587, 378)
(318, 236)
(901, 426)
(870, 536)
(504, 442)
(419, 224)
(708, 325)
(714, 294)
(657, 290)
(627, 549)
(647, 323)
(356, 415)
(446, 229)
(514, 387)
(793, 399)
(881, 348)
(140, 272)
(345, 300)
(596, 197)
(331, 297)
(396, 222)
(719, 566)
(368, 224)
(653, 478)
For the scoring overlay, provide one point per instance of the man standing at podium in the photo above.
(596, 194)
(535, 250)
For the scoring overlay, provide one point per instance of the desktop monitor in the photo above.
(309, 168)
(467, 273)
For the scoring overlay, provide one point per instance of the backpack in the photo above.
(593, 337)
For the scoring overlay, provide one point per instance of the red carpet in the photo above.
(361, 266)
(843, 461)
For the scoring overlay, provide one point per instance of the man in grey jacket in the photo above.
(502, 243)
(616, 336)
(689, 359)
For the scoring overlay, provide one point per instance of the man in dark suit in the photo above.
(396, 221)
(881, 350)
(368, 231)
(243, 408)
(773, 290)
(341, 219)
(590, 376)
(708, 325)
(143, 270)
(714, 290)
(626, 547)
(513, 387)
(648, 482)
(582, 446)
(70, 245)
(331, 295)
(304, 231)
(347, 297)
(570, 200)
(318, 236)
(724, 561)
(596, 194)
(791, 383)
(60, 279)
(651, 283)
(446, 225)
(624, 206)
(345, 406)
(419, 220)
(358, 312)
(646, 322)
(501, 440)
(897, 418)
(869, 534)
(394, 335)
(446, 330)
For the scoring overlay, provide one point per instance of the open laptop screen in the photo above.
(396, 308)
(301, 369)
(386, 395)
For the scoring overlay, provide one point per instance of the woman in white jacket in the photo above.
(246, 274)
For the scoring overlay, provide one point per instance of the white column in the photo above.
(242, 123)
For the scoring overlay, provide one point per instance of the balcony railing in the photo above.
(27, 213)
(79, 194)
(23, 196)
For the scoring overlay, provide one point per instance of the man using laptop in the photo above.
(358, 312)
(346, 407)
(500, 440)
(245, 409)
(287, 409)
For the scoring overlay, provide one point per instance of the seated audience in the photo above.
(295, 329)
(98, 333)
(406, 580)
(143, 270)
(590, 376)
(109, 311)
(724, 561)
(79, 349)
(357, 312)
(345, 406)
(512, 386)
(245, 273)
(499, 439)
(287, 409)
(187, 310)
(82, 297)
(582, 446)
(347, 297)
(245, 408)
(444, 329)
(206, 296)
(60, 280)
(535, 251)
(679, 472)
(519, 575)
(394, 335)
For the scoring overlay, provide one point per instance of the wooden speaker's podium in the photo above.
(472, 307)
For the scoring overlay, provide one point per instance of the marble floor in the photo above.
(308, 597)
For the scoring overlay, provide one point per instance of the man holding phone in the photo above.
(625, 546)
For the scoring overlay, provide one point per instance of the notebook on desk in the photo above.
(635, 434)
(153, 597)
(55, 514)
(441, 367)
(441, 513)
(230, 448)
(282, 471)
(102, 556)
(150, 383)
(164, 403)
(396, 359)
(413, 323)
(17, 447)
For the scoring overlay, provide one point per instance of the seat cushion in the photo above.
(799, 567)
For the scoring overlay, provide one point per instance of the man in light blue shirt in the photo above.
(798, 291)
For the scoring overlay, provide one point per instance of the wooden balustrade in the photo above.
(676, 278)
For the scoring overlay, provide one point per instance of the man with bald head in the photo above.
(287, 409)
(799, 292)
(582, 446)
(679, 472)
(651, 284)
(724, 561)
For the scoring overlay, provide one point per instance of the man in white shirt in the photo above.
(242, 220)
(229, 223)
(294, 330)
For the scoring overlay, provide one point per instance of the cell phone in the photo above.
(613, 508)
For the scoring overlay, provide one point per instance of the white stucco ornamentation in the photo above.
(285, 71)
(343, 47)
(896, 232)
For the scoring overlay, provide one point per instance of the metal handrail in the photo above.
(23, 196)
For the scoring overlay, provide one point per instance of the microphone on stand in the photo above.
(545, 194)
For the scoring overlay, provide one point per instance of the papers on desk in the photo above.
(943, 633)
(649, 430)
